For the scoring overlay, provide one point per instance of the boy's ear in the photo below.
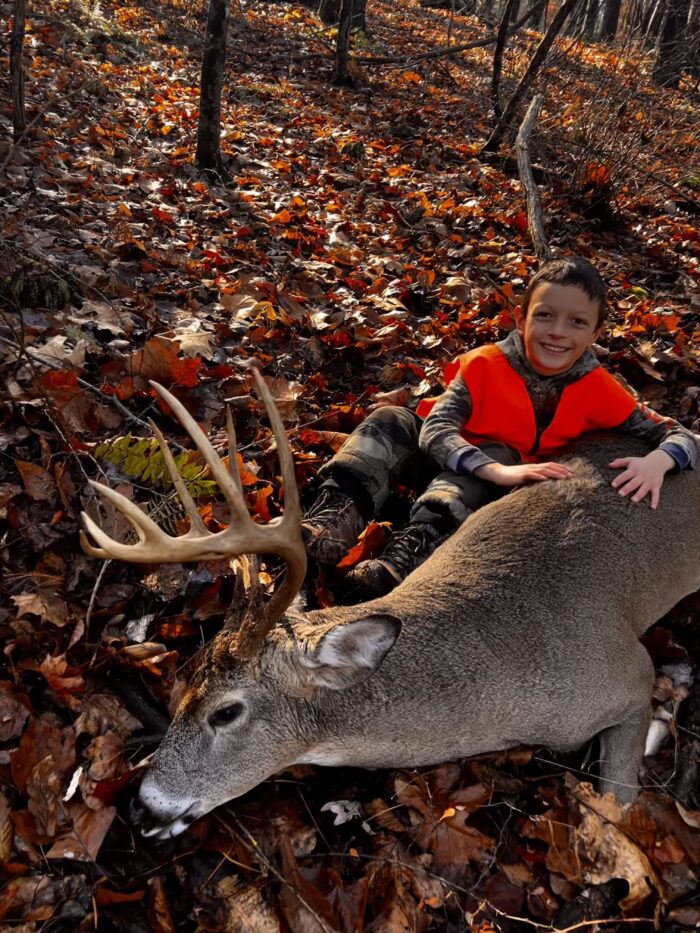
(519, 319)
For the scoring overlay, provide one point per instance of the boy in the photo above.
(508, 409)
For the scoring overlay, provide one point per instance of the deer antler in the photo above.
(282, 536)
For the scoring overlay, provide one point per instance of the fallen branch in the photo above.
(535, 224)
(56, 364)
(536, 63)
(434, 53)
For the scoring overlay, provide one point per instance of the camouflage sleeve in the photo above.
(441, 436)
(664, 433)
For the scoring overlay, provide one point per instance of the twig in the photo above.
(253, 847)
(534, 203)
(112, 399)
(93, 596)
(679, 194)
(582, 925)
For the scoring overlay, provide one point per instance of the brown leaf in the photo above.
(45, 604)
(37, 482)
(301, 902)
(101, 712)
(160, 917)
(63, 684)
(43, 788)
(244, 908)
(452, 842)
(7, 830)
(608, 851)
(32, 898)
(14, 710)
(83, 841)
(105, 752)
(41, 738)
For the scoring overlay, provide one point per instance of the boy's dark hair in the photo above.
(570, 270)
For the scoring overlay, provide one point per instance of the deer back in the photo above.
(522, 628)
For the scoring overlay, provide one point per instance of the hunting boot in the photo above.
(406, 550)
(331, 526)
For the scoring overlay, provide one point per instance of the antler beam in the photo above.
(282, 536)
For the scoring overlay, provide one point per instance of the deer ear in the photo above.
(351, 652)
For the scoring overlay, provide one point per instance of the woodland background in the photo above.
(348, 229)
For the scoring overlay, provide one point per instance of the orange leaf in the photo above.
(261, 508)
(284, 217)
(57, 676)
(370, 544)
(186, 372)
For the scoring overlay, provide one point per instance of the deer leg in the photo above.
(621, 750)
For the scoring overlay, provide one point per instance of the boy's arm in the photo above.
(664, 434)
(441, 436)
(676, 449)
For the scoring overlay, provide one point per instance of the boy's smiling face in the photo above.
(561, 324)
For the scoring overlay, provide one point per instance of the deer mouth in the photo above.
(150, 826)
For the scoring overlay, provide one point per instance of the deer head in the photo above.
(252, 703)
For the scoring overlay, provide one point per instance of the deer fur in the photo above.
(523, 628)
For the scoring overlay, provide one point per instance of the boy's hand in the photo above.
(643, 476)
(521, 473)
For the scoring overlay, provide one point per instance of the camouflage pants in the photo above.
(384, 451)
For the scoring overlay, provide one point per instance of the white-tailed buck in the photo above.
(521, 629)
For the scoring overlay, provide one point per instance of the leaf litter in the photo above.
(360, 243)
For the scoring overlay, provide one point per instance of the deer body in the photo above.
(522, 628)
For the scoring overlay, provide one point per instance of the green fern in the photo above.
(141, 458)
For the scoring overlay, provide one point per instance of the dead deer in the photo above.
(521, 629)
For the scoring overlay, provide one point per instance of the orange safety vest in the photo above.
(502, 409)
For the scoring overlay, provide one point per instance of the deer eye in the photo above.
(225, 715)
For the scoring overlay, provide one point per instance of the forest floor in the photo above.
(357, 242)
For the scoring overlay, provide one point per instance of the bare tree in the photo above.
(506, 17)
(610, 19)
(329, 11)
(341, 75)
(591, 19)
(19, 121)
(536, 63)
(671, 51)
(212, 81)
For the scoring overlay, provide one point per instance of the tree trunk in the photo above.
(329, 11)
(536, 63)
(592, 12)
(656, 14)
(498, 57)
(212, 81)
(19, 120)
(341, 76)
(359, 15)
(671, 53)
(611, 17)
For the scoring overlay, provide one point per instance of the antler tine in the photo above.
(243, 535)
(252, 633)
(232, 449)
(150, 535)
(229, 487)
(196, 522)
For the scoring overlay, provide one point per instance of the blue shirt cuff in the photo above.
(677, 453)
